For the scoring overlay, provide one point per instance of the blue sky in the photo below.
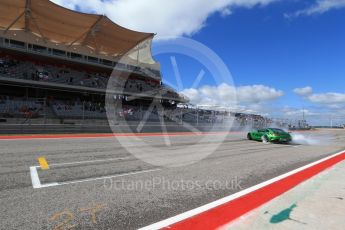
(261, 46)
(271, 47)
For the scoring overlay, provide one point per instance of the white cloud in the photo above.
(258, 99)
(297, 112)
(248, 98)
(321, 6)
(257, 94)
(166, 18)
(331, 100)
(303, 91)
(326, 106)
(226, 12)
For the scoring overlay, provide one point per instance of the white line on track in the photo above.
(183, 216)
(36, 183)
(91, 161)
(108, 177)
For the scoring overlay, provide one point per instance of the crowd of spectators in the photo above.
(78, 109)
(12, 68)
(27, 70)
(252, 120)
(19, 107)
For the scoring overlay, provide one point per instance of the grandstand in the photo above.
(56, 63)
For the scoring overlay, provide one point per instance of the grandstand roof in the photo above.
(57, 24)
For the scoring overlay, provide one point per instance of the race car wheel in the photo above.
(264, 139)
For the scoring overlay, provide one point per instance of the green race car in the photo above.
(269, 135)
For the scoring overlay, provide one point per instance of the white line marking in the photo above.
(48, 185)
(92, 161)
(107, 177)
(196, 211)
(36, 183)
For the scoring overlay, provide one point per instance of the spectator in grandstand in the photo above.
(2, 100)
(28, 70)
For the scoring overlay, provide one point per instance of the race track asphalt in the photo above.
(96, 183)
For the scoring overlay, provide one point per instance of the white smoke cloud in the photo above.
(166, 18)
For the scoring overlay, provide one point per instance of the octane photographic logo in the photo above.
(135, 109)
